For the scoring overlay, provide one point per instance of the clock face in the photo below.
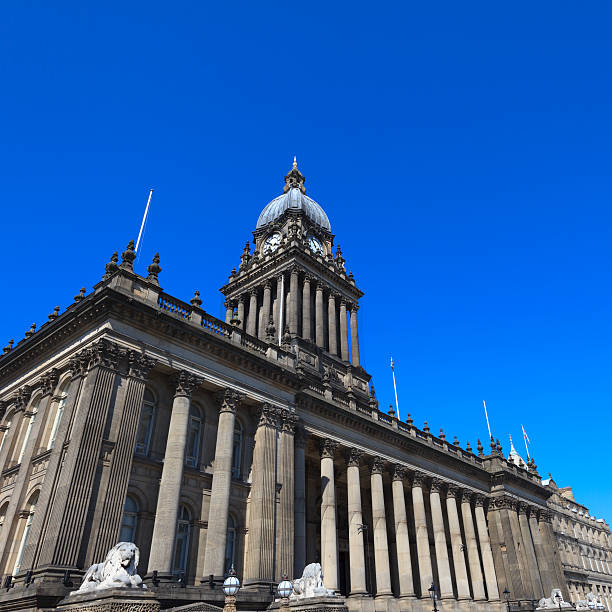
(272, 243)
(315, 245)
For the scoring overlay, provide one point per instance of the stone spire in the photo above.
(294, 179)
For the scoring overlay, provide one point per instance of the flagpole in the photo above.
(395, 389)
(144, 219)
(487, 417)
(525, 440)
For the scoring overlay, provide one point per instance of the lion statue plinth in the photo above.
(311, 584)
(118, 570)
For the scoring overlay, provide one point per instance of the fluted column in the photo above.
(329, 543)
(306, 318)
(402, 541)
(278, 304)
(354, 335)
(422, 538)
(532, 563)
(300, 501)
(293, 302)
(229, 311)
(265, 308)
(241, 301)
(355, 524)
(214, 556)
(166, 514)
(331, 324)
(485, 549)
(285, 517)
(319, 325)
(444, 575)
(252, 319)
(344, 345)
(540, 552)
(548, 537)
(472, 547)
(379, 521)
(259, 566)
(454, 529)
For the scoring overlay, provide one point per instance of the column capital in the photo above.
(242, 298)
(479, 500)
(522, 508)
(437, 485)
(464, 495)
(545, 516)
(23, 397)
(185, 382)
(354, 307)
(295, 270)
(77, 364)
(139, 365)
(289, 421)
(334, 295)
(354, 457)
(228, 304)
(309, 278)
(229, 400)
(328, 448)
(48, 381)
(399, 472)
(377, 466)
(253, 291)
(268, 416)
(454, 492)
(104, 353)
(418, 479)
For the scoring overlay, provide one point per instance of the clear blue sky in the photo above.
(461, 150)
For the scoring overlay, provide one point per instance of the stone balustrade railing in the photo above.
(174, 306)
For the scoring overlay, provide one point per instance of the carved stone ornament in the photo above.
(418, 478)
(479, 500)
(377, 466)
(268, 416)
(104, 353)
(139, 365)
(154, 269)
(310, 584)
(545, 516)
(354, 457)
(111, 267)
(454, 492)
(288, 421)
(77, 364)
(399, 472)
(48, 381)
(23, 397)
(436, 485)
(229, 400)
(128, 256)
(185, 383)
(118, 570)
(522, 508)
(328, 448)
(554, 602)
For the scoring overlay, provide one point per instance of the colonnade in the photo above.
(306, 306)
(471, 558)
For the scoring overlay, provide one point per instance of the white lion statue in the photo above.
(592, 602)
(553, 602)
(311, 584)
(116, 571)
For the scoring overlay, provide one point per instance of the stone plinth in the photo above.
(111, 600)
(314, 604)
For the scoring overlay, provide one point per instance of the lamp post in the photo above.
(284, 590)
(432, 594)
(231, 586)
(507, 598)
(558, 598)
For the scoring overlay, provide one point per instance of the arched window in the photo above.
(237, 452)
(59, 411)
(130, 520)
(181, 544)
(4, 435)
(25, 530)
(230, 546)
(145, 427)
(193, 439)
(3, 510)
(33, 410)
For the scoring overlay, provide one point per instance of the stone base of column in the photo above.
(360, 602)
(386, 603)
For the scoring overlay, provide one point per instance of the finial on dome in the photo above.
(294, 179)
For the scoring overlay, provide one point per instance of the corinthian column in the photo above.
(355, 524)
(354, 335)
(463, 587)
(444, 575)
(540, 551)
(485, 549)
(285, 545)
(344, 346)
(166, 514)
(229, 311)
(329, 543)
(532, 563)
(472, 547)
(214, 556)
(252, 320)
(379, 521)
(319, 326)
(259, 566)
(293, 302)
(422, 539)
(300, 501)
(402, 542)
(331, 318)
(241, 301)
(306, 318)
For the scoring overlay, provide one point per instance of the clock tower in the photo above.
(291, 288)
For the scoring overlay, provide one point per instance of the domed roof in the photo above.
(294, 198)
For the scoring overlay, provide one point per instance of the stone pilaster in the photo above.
(168, 497)
(402, 542)
(306, 316)
(532, 564)
(454, 529)
(444, 575)
(329, 542)
(516, 539)
(355, 524)
(485, 549)
(548, 537)
(540, 552)
(319, 323)
(331, 326)
(300, 501)
(472, 547)
(259, 566)
(422, 538)
(214, 555)
(285, 514)
(354, 335)
(344, 345)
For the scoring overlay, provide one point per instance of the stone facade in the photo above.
(584, 544)
(255, 441)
